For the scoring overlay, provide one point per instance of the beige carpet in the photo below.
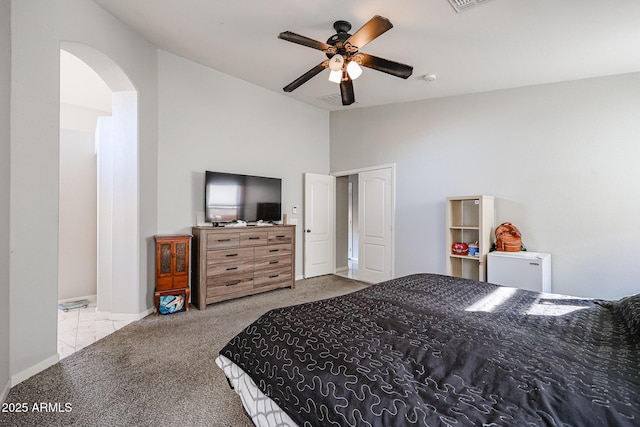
(157, 371)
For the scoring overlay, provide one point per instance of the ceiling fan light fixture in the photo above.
(336, 62)
(335, 76)
(354, 70)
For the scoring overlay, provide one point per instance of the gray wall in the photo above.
(212, 121)
(5, 91)
(35, 105)
(562, 160)
(78, 223)
(84, 97)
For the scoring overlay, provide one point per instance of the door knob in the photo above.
(308, 231)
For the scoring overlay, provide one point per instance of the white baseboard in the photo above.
(300, 277)
(5, 391)
(342, 270)
(103, 315)
(38, 367)
(106, 315)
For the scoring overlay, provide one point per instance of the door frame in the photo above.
(357, 171)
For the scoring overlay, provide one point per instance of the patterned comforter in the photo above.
(430, 350)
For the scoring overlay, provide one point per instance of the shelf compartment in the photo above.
(465, 267)
(465, 213)
(464, 235)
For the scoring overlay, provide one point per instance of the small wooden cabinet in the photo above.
(172, 267)
(234, 262)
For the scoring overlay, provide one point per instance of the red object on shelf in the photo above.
(460, 249)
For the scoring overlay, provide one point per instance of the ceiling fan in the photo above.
(344, 56)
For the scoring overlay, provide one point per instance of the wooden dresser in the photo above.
(231, 262)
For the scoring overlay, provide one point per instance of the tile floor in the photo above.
(351, 272)
(79, 327)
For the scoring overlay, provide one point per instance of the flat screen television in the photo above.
(232, 197)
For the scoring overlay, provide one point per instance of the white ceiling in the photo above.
(495, 45)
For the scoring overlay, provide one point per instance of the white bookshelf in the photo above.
(469, 219)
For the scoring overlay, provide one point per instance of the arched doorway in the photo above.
(116, 194)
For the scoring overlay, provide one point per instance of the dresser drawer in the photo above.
(280, 236)
(230, 267)
(229, 281)
(223, 240)
(272, 262)
(232, 284)
(273, 250)
(223, 255)
(254, 238)
(272, 277)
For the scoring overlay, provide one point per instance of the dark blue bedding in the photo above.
(430, 350)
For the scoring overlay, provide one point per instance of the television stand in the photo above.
(235, 262)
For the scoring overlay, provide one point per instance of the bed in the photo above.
(430, 350)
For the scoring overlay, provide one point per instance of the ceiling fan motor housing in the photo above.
(342, 26)
(337, 40)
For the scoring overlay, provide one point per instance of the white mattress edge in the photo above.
(263, 411)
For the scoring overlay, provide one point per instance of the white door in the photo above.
(375, 207)
(319, 224)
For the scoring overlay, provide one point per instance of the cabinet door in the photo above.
(164, 265)
(180, 263)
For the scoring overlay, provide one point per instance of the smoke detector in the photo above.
(462, 5)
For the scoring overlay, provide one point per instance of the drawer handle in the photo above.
(280, 237)
(274, 250)
(232, 255)
(235, 282)
(254, 238)
(231, 268)
(273, 262)
(224, 240)
(274, 276)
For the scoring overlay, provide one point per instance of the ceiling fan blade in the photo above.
(346, 90)
(304, 41)
(306, 76)
(380, 64)
(369, 31)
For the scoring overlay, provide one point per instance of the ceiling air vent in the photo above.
(462, 5)
(333, 99)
